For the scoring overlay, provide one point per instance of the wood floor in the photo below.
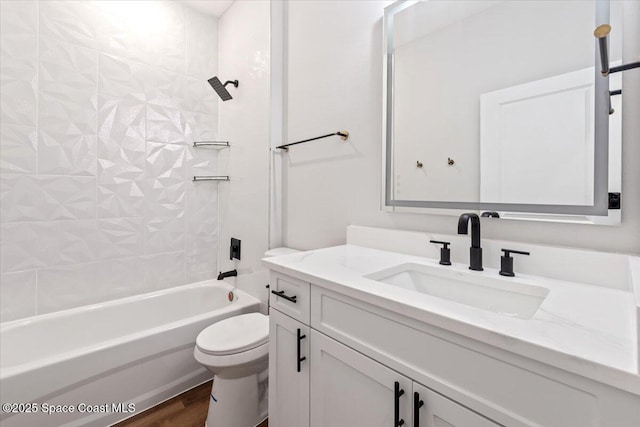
(188, 409)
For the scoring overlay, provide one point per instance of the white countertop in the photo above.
(584, 329)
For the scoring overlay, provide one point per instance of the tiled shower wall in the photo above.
(100, 103)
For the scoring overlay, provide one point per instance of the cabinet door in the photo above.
(288, 371)
(438, 411)
(349, 389)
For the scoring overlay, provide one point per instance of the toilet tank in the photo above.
(279, 251)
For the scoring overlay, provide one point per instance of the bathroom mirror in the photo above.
(500, 106)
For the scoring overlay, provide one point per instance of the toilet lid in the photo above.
(234, 334)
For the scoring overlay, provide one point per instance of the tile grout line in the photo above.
(97, 163)
(38, 23)
(186, 172)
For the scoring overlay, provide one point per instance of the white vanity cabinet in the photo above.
(367, 366)
(434, 410)
(349, 389)
(288, 371)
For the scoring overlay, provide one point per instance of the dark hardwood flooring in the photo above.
(188, 409)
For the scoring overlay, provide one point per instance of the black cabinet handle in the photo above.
(397, 392)
(281, 294)
(417, 404)
(300, 338)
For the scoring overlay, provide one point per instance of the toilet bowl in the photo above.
(236, 351)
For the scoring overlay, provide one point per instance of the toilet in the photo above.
(236, 350)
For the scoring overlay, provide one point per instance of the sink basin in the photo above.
(507, 296)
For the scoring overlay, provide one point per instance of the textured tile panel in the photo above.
(67, 109)
(173, 37)
(202, 215)
(77, 241)
(165, 179)
(17, 295)
(18, 62)
(164, 234)
(165, 197)
(146, 31)
(166, 124)
(202, 44)
(122, 79)
(75, 22)
(203, 126)
(164, 270)
(98, 198)
(46, 197)
(18, 149)
(121, 157)
(26, 245)
(31, 245)
(120, 238)
(77, 285)
(200, 97)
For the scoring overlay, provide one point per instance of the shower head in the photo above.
(220, 88)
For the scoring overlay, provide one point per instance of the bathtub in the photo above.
(109, 361)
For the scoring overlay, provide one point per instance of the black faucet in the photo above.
(475, 252)
(232, 273)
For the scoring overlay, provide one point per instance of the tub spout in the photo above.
(232, 273)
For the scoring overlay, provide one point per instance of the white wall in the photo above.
(244, 122)
(100, 102)
(335, 82)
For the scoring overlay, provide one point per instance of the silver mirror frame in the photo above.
(601, 140)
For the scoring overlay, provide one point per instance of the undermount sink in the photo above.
(507, 296)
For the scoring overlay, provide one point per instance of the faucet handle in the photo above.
(506, 262)
(445, 252)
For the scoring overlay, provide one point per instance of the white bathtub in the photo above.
(136, 350)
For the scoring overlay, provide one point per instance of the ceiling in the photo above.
(210, 7)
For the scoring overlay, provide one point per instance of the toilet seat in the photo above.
(234, 335)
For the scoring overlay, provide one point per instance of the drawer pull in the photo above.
(417, 404)
(281, 294)
(397, 392)
(300, 359)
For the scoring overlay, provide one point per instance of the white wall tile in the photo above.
(82, 284)
(121, 157)
(202, 44)
(164, 233)
(25, 245)
(30, 245)
(18, 62)
(165, 179)
(46, 197)
(93, 190)
(18, 149)
(67, 109)
(165, 197)
(17, 295)
(120, 238)
(172, 37)
(165, 124)
(202, 215)
(122, 79)
(164, 270)
(71, 21)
